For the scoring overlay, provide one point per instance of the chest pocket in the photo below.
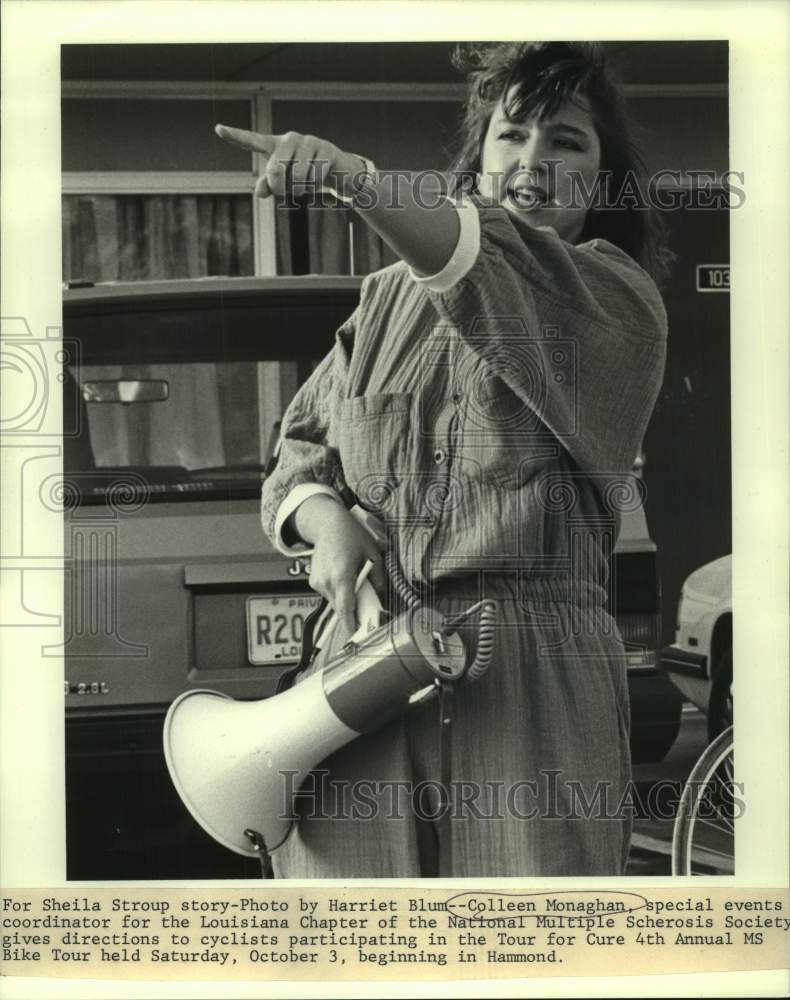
(376, 442)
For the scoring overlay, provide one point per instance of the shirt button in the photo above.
(439, 456)
(457, 395)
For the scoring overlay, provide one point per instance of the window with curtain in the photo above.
(327, 240)
(143, 237)
(397, 135)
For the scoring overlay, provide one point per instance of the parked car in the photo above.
(172, 396)
(699, 661)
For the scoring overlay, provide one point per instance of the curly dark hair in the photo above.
(536, 78)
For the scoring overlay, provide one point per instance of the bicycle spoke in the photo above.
(721, 829)
(719, 861)
(722, 810)
(716, 808)
(708, 851)
(723, 824)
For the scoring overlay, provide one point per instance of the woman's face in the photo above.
(527, 167)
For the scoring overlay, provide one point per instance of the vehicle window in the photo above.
(190, 429)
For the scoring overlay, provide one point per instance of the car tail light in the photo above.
(640, 634)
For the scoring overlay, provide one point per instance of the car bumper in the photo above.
(676, 660)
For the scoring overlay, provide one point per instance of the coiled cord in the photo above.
(487, 610)
(485, 637)
(403, 588)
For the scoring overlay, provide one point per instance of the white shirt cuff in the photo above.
(464, 255)
(297, 496)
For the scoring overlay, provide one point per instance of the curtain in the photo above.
(332, 240)
(144, 237)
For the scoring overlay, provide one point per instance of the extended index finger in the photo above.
(253, 141)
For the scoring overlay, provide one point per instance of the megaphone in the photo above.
(228, 759)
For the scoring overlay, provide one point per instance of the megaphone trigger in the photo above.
(424, 695)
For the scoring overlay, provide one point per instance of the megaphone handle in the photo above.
(267, 870)
(308, 649)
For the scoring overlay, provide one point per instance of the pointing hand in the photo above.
(296, 160)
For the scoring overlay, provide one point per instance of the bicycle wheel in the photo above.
(703, 841)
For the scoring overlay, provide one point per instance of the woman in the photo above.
(485, 401)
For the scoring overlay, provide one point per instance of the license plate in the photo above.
(275, 625)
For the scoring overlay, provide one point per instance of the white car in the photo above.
(700, 659)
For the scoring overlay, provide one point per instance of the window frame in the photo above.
(262, 96)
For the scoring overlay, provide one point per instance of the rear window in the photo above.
(185, 427)
(185, 403)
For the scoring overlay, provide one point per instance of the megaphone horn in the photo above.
(228, 759)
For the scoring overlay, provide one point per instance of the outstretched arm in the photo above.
(421, 227)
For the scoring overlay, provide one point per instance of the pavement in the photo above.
(658, 787)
